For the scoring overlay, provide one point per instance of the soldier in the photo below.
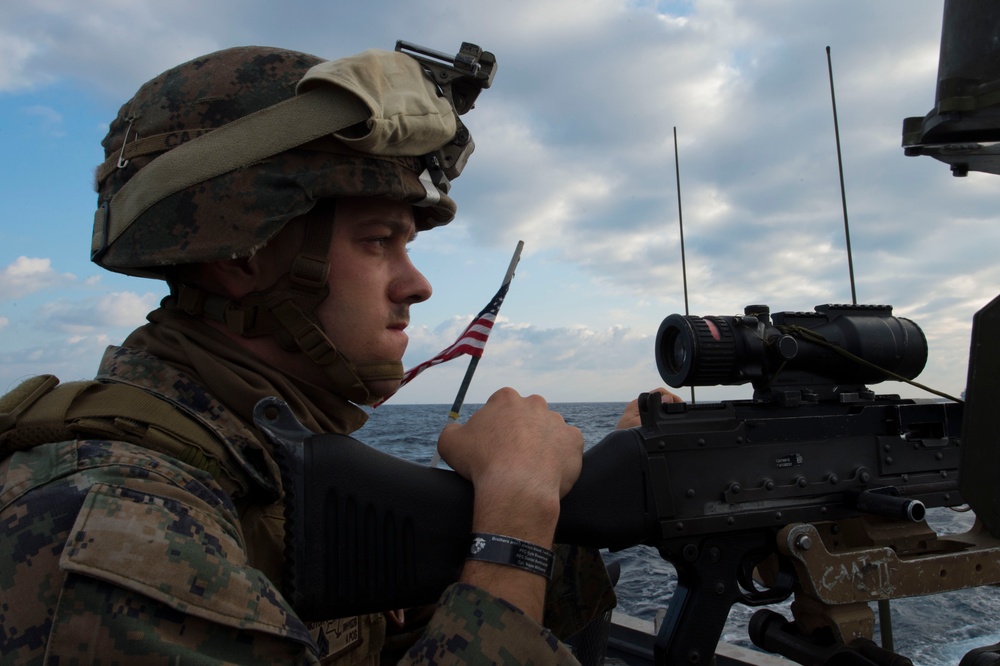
(275, 193)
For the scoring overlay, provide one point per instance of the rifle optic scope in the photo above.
(784, 349)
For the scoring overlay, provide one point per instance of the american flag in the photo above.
(472, 341)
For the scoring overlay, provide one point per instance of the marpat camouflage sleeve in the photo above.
(112, 553)
(471, 626)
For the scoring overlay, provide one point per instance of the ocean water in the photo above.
(932, 631)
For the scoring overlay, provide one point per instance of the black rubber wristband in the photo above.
(512, 552)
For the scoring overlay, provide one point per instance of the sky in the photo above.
(574, 156)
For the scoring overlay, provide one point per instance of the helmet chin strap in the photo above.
(287, 309)
(352, 380)
(379, 371)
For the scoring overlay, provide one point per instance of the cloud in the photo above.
(565, 362)
(15, 54)
(50, 121)
(575, 156)
(67, 337)
(72, 359)
(29, 275)
(107, 45)
(126, 308)
(122, 310)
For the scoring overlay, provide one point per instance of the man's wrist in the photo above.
(512, 552)
(526, 513)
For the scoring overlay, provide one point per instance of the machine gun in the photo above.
(841, 563)
(818, 487)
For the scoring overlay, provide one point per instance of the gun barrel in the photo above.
(888, 503)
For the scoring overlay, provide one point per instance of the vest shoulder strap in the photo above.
(41, 410)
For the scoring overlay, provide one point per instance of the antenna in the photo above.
(680, 219)
(840, 167)
(885, 618)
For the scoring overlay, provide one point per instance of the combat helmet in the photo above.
(212, 158)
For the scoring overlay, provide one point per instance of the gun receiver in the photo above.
(732, 474)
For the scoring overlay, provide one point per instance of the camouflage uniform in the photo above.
(114, 551)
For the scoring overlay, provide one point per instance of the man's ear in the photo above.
(233, 277)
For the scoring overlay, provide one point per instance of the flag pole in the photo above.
(680, 220)
(474, 361)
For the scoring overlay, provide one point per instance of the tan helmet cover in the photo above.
(406, 118)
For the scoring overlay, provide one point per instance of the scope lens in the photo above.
(697, 351)
(674, 350)
(677, 350)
